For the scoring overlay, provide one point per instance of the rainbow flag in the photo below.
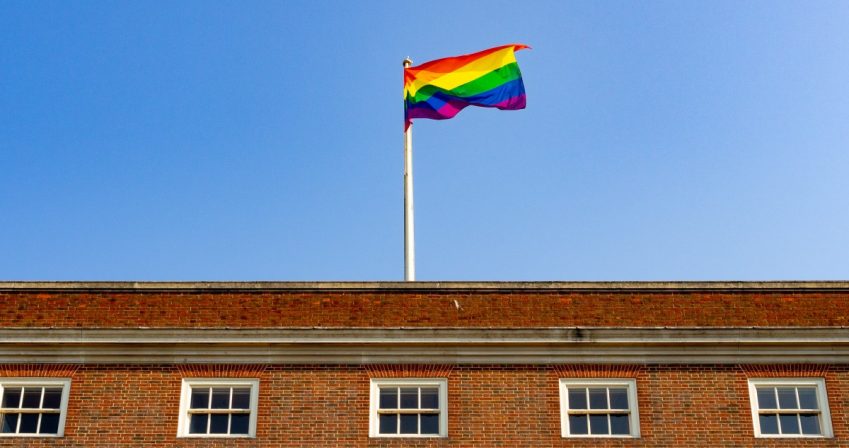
(441, 88)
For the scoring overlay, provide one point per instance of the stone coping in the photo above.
(433, 286)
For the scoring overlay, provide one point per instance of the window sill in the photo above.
(407, 436)
(45, 436)
(216, 436)
(591, 436)
(792, 436)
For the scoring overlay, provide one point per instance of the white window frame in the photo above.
(822, 399)
(633, 407)
(186, 396)
(374, 404)
(64, 383)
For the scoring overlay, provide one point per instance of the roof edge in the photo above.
(541, 286)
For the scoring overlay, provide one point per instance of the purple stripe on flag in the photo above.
(517, 102)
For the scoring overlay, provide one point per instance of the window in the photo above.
(408, 408)
(792, 407)
(34, 406)
(218, 408)
(599, 408)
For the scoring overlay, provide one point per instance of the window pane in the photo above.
(12, 397)
(409, 398)
(810, 424)
(52, 398)
(241, 398)
(598, 398)
(578, 398)
(618, 398)
(430, 398)
(220, 398)
(197, 425)
(32, 397)
(808, 398)
(769, 423)
(766, 398)
(598, 423)
(49, 424)
(578, 424)
(787, 398)
(239, 423)
(619, 424)
(789, 423)
(389, 398)
(430, 423)
(218, 422)
(10, 423)
(29, 423)
(409, 423)
(200, 399)
(388, 423)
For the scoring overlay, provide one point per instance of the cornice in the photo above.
(428, 345)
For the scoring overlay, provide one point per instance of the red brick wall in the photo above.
(420, 309)
(489, 406)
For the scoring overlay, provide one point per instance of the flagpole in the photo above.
(409, 228)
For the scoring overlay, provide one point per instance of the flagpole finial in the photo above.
(408, 62)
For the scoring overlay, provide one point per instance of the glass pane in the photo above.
(10, 423)
(789, 423)
(52, 398)
(578, 424)
(409, 423)
(389, 423)
(430, 398)
(12, 397)
(430, 423)
(769, 424)
(220, 398)
(598, 423)
(598, 398)
(766, 398)
(389, 398)
(218, 422)
(808, 398)
(787, 398)
(409, 398)
(239, 423)
(29, 423)
(49, 424)
(578, 398)
(197, 425)
(618, 398)
(32, 397)
(200, 399)
(619, 424)
(241, 398)
(810, 424)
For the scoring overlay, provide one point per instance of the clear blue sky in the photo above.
(207, 140)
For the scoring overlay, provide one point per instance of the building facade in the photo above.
(422, 364)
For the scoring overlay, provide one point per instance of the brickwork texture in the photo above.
(257, 309)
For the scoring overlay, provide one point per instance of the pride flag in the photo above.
(441, 88)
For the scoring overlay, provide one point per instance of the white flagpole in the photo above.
(409, 228)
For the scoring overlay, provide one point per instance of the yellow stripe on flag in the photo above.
(462, 75)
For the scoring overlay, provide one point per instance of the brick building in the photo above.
(424, 364)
